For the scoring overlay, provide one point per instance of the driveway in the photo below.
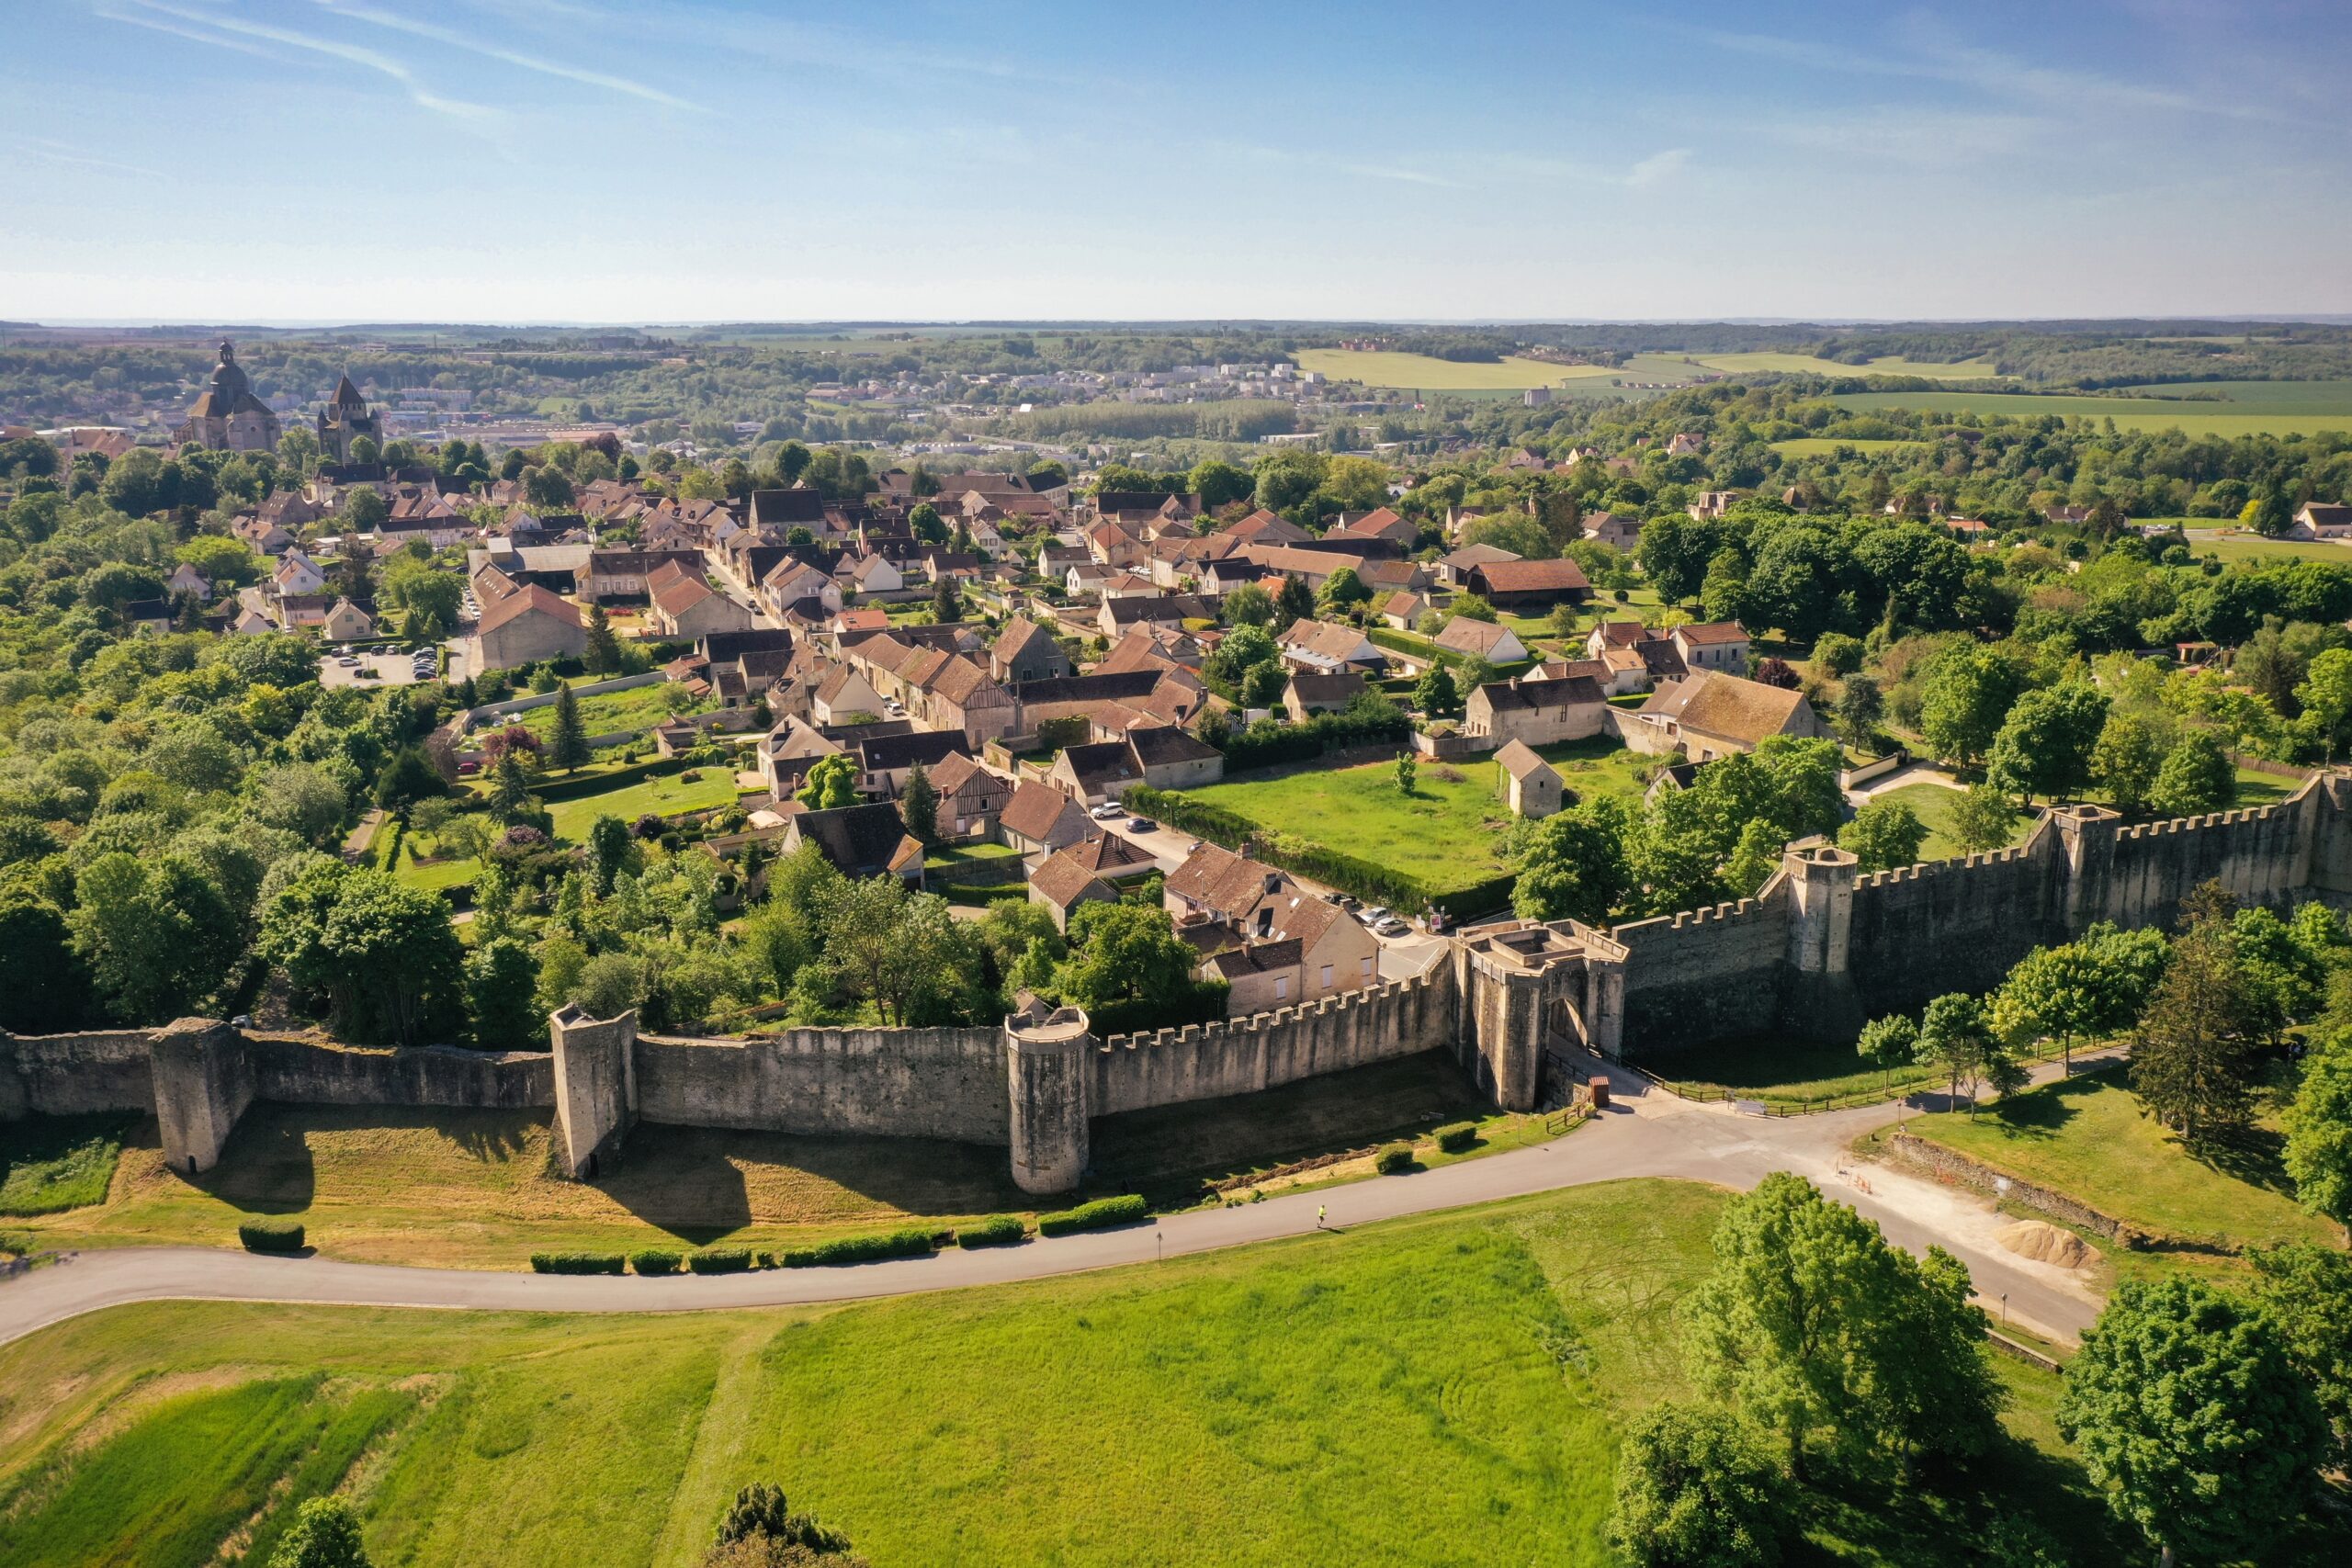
(1647, 1133)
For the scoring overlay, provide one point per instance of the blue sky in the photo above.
(696, 159)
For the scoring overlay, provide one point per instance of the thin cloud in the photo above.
(419, 93)
(456, 40)
(1659, 168)
(64, 152)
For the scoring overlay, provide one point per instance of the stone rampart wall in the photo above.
(1171, 1067)
(2258, 854)
(298, 1071)
(911, 1083)
(1952, 925)
(1706, 973)
(69, 1074)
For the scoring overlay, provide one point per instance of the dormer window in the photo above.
(1265, 922)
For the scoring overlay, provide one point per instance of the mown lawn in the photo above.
(1779, 1069)
(1447, 833)
(2091, 1138)
(666, 795)
(1441, 1389)
(1934, 804)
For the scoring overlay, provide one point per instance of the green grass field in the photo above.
(2091, 1138)
(1889, 365)
(1421, 372)
(48, 1164)
(1447, 833)
(1441, 1389)
(666, 795)
(2253, 408)
(1933, 804)
(2204, 539)
(1778, 1069)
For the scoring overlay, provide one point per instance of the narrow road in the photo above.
(1646, 1134)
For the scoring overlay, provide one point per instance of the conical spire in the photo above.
(347, 396)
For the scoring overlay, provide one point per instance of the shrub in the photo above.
(909, 1242)
(578, 1263)
(1457, 1137)
(271, 1235)
(997, 1230)
(1101, 1212)
(719, 1260)
(654, 1261)
(1393, 1161)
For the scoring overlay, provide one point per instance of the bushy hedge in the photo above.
(1125, 1210)
(1457, 1136)
(271, 1235)
(653, 1260)
(578, 1263)
(997, 1230)
(861, 1249)
(719, 1260)
(1365, 879)
(1478, 898)
(1393, 1161)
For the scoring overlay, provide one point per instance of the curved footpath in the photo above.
(1647, 1133)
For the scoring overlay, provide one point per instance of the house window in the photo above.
(1265, 921)
(1367, 965)
(1326, 977)
(1282, 986)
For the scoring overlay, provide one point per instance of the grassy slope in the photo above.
(2318, 406)
(1933, 805)
(606, 713)
(1420, 371)
(2089, 1137)
(1443, 1388)
(2203, 540)
(51, 1163)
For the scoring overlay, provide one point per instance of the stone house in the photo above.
(1087, 872)
(1168, 758)
(1713, 645)
(1527, 784)
(1453, 568)
(1324, 647)
(1266, 936)
(1530, 584)
(1039, 817)
(1312, 691)
(1025, 651)
(346, 622)
(1710, 714)
(1494, 643)
(971, 797)
(859, 841)
(525, 623)
(686, 606)
(1541, 713)
(843, 693)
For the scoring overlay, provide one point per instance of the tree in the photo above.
(1249, 605)
(1575, 865)
(831, 783)
(2319, 1134)
(1966, 696)
(407, 778)
(1696, 1488)
(1883, 834)
(763, 1520)
(501, 980)
(918, 805)
(1473, 607)
(947, 603)
(2044, 746)
(2303, 1286)
(43, 987)
(2080, 990)
(510, 790)
(603, 654)
(2125, 761)
(1127, 953)
(382, 955)
(156, 934)
(568, 738)
(1889, 1043)
(1343, 589)
(1293, 601)
(2193, 1053)
(2326, 698)
(1983, 818)
(1860, 707)
(923, 519)
(2189, 1414)
(1811, 1322)
(324, 1534)
(1956, 1038)
(1435, 695)
(2197, 777)
(611, 850)
(1406, 770)
(1219, 484)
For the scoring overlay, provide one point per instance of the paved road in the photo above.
(1645, 1135)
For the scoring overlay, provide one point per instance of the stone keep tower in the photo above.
(1049, 1063)
(1821, 920)
(344, 419)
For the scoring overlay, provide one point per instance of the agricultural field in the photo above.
(1420, 372)
(2253, 408)
(1442, 1388)
(2091, 1138)
(1888, 364)
(1447, 835)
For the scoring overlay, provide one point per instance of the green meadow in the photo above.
(2246, 408)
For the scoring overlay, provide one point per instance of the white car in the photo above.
(1373, 915)
(1391, 926)
(1107, 810)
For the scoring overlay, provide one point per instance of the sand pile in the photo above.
(2045, 1242)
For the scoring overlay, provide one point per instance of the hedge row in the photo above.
(998, 1230)
(271, 1235)
(653, 1260)
(578, 1263)
(861, 1249)
(1270, 742)
(1103, 1212)
(720, 1260)
(1458, 1136)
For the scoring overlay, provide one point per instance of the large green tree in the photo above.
(324, 1534)
(1883, 834)
(2045, 745)
(155, 933)
(382, 955)
(1575, 865)
(568, 737)
(2190, 1415)
(1964, 700)
(2193, 1053)
(2319, 1134)
(1696, 1488)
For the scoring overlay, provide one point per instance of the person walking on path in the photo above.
(1320, 1210)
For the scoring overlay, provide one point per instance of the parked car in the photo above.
(1373, 916)
(1391, 926)
(1106, 811)
(1142, 825)
(1348, 901)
